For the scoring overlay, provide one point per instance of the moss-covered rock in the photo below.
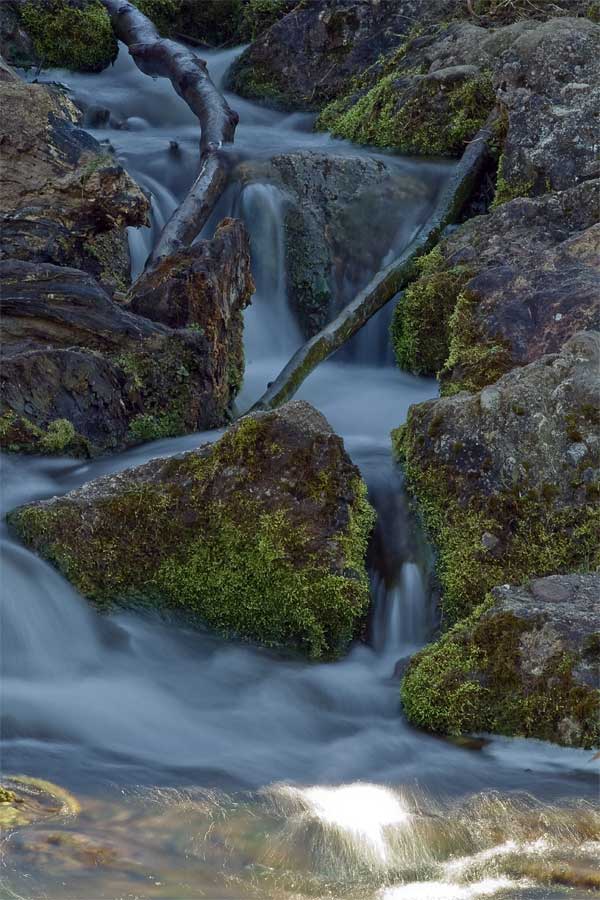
(502, 290)
(262, 535)
(523, 663)
(507, 479)
(71, 34)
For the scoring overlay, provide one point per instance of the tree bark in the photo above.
(189, 76)
(388, 282)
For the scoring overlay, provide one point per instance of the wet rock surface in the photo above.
(262, 534)
(329, 253)
(83, 375)
(65, 199)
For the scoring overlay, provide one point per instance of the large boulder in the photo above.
(525, 663)
(80, 374)
(306, 58)
(262, 534)
(65, 199)
(431, 96)
(508, 478)
(503, 289)
(330, 254)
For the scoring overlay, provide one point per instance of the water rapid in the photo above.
(208, 768)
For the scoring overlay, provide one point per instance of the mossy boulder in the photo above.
(71, 34)
(503, 289)
(524, 663)
(305, 59)
(261, 535)
(65, 199)
(507, 480)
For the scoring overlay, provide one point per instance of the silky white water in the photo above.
(218, 769)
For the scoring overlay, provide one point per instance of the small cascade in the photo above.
(269, 325)
(399, 622)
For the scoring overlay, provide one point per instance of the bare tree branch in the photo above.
(189, 76)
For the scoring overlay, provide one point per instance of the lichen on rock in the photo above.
(261, 535)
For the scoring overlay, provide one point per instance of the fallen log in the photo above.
(389, 281)
(189, 76)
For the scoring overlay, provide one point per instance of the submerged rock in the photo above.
(261, 535)
(24, 800)
(82, 375)
(503, 289)
(525, 663)
(330, 255)
(500, 464)
(65, 199)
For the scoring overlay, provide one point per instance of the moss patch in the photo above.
(507, 190)
(19, 435)
(537, 536)
(238, 561)
(70, 36)
(419, 329)
(414, 114)
(472, 679)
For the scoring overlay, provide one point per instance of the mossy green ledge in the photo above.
(507, 483)
(261, 535)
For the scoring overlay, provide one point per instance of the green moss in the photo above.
(67, 36)
(164, 13)
(414, 117)
(419, 329)
(473, 679)
(538, 537)
(59, 434)
(593, 11)
(473, 361)
(226, 558)
(258, 15)
(257, 82)
(507, 190)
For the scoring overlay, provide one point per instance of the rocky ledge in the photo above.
(261, 535)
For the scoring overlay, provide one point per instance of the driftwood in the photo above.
(388, 282)
(189, 76)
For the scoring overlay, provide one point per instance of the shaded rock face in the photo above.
(16, 45)
(81, 374)
(305, 59)
(329, 253)
(65, 200)
(508, 478)
(503, 289)
(226, 534)
(525, 663)
(549, 83)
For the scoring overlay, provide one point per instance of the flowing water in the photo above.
(214, 769)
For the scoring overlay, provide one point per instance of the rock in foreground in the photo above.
(526, 663)
(262, 534)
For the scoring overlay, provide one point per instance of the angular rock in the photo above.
(329, 253)
(187, 287)
(498, 463)
(82, 375)
(65, 199)
(503, 289)
(306, 58)
(262, 534)
(525, 664)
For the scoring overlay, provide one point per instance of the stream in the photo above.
(215, 769)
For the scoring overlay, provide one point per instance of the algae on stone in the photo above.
(261, 535)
